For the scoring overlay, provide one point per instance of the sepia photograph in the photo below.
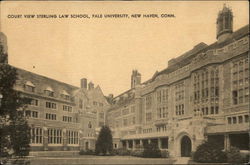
(124, 82)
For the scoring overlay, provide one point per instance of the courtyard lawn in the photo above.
(87, 160)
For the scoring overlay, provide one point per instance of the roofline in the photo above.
(46, 77)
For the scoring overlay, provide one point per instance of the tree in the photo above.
(14, 129)
(104, 143)
(151, 150)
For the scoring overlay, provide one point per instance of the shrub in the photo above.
(151, 151)
(164, 154)
(245, 158)
(87, 152)
(209, 152)
(234, 156)
(121, 152)
(137, 153)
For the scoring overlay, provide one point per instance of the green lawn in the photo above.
(87, 160)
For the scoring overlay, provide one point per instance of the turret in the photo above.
(224, 24)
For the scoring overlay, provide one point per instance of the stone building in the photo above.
(62, 117)
(201, 95)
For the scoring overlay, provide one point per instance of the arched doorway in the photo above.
(185, 146)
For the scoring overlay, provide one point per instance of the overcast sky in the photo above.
(105, 51)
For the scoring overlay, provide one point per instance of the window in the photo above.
(133, 120)
(161, 128)
(33, 114)
(246, 118)
(72, 137)
(49, 92)
(216, 91)
(240, 81)
(125, 111)
(164, 95)
(229, 120)
(54, 136)
(80, 103)
(101, 115)
(65, 97)
(148, 117)
(148, 102)
(117, 124)
(162, 112)
(179, 109)
(36, 135)
(90, 124)
(235, 97)
(67, 119)
(240, 118)
(212, 110)
(29, 87)
(179, 91)
(159, 113)
(34, 102)
(234, 120)
(133, 109)
(67, 108)
(50, 105)
(125, 122)
(50, 116)
(217, 109)
(206, 112)
(159, 97)
(247, 98)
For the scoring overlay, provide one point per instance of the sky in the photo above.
(106, 50)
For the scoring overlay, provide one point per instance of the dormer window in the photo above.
(29, 86)
(49, 92)
(65, 95)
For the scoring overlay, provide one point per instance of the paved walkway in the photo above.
(182, 160)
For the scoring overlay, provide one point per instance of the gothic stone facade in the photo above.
(201, 95)
(62, 117)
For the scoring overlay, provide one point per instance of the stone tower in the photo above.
(224, 24)
(3, 48)
(135, 78)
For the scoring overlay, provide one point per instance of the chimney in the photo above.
(84, 83)
(135, 79)
(91, 86)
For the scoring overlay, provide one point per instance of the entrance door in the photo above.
(185, 146)
(86, 145)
